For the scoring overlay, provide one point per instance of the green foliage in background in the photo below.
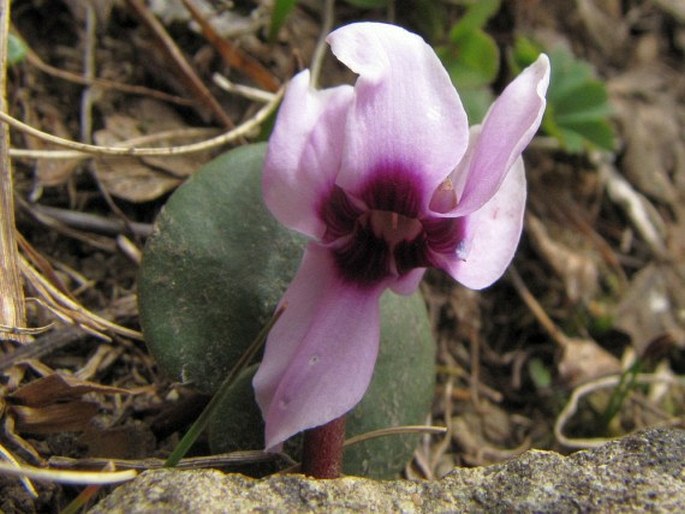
(16, 50)
(578, 110)
(577, 102)
(282, 9)
(471, 57)
(368, 4)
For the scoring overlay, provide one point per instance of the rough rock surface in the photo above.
(644, 472)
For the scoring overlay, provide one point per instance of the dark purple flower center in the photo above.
(384, 233)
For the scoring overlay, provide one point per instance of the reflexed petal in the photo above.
(492, 234)
(507, 129)
(304, 153)
(321, 353)
(406, 110)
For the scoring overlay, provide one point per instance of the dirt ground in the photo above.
(596, 289)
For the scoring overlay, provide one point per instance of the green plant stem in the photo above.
(619, 394)
(322, 451)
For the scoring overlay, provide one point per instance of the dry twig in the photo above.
(603, 383)
(69, 477)
(88, 73)
(232, 55)
(13, 461)
(251, 93)
(12, 307)
(34, 59)
(43, 345)
(211, 461)
(68, 309)
(644, 217)
(90, 222)
(80, 148)
(320, 50)
(174, 55)
(538, 311)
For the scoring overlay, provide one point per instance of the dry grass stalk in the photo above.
(243, 130)
(609, 382)
(175, 58)
(69, 477)
(12, 306)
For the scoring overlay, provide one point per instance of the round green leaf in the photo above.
(401, 393)
(213, 270)
(211, 276)
(472, 61)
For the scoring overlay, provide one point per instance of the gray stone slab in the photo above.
(644, 472)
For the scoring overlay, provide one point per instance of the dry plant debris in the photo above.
(117, 103)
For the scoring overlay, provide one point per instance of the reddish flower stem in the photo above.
(323, 449)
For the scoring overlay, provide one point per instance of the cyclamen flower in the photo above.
(387, 180)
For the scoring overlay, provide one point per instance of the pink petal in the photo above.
(321, 353)
(409, 283)
(406, 112)
(510, 124)
(493, 233)
(304, 153)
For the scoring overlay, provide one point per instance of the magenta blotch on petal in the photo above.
(387, 180)
(405, 107)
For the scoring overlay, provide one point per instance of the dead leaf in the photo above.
(130, 179)
(135, 441)
(647, 110)
(583, 360)
(574, 264)
(143, 179)
(46, 116)
(487, 434)
(648, 309)
(644, 216)
(604, 24)
(675, 8)
(70, 416)
(102, 9)
(56, 387)
(51, 404)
